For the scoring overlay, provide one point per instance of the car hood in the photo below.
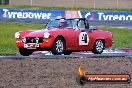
(39, 33)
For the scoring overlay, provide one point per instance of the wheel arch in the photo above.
(53, 49)
(102, 40)
(60, 36)
(99, 50)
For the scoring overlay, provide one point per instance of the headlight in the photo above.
(46, 35)
(17, 35)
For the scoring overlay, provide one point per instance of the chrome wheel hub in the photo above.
(99, 45)
(59, 46)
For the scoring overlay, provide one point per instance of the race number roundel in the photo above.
(83, 38)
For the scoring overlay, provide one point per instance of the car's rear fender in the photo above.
(103, 39)
(107, 41)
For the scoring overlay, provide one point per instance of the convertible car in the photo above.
(64, 36)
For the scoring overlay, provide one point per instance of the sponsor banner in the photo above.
(42, 16)
(107, 16)
(24, 15)
(73, 14)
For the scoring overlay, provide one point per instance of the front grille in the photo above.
(30, 40)
(41, 39)
(34, 40)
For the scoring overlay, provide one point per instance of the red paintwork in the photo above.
(77, 39)
(71, 37)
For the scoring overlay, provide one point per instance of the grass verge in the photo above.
(7, 31)
(122, 37)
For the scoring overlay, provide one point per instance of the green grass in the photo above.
(63, 8)
(7, 38)
(122, 37)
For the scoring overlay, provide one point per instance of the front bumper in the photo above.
(46, 44)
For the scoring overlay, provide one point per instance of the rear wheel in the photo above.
(25, 52)
(98, 47)
(58, 46)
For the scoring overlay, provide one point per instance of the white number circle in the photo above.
(83, 38)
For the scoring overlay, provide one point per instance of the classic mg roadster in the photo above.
(64, 36)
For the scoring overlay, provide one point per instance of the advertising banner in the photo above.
(107, 16)
(42, 16)
(24, 15)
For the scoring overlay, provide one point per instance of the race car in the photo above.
(64, 36)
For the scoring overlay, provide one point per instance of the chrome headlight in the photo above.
(46, 35)
(17, 35)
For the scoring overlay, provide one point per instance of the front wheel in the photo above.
(58, 46)
(25, 52)
(98, 47)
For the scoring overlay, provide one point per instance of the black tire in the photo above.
(67, 52)
(58, 46)
(98, 47)
(25, 52)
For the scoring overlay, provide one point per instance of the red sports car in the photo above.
(64, 36)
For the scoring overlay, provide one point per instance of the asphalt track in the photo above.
(72, 56)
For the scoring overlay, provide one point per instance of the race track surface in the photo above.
(45, 54)
(72, 56)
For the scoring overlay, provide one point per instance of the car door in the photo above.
(83, 36)
(70, 36)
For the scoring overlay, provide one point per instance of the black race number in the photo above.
(83, 38)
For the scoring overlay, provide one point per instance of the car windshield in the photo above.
(53, 24)
(66, 23)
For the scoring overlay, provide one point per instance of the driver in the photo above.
(62, 23)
